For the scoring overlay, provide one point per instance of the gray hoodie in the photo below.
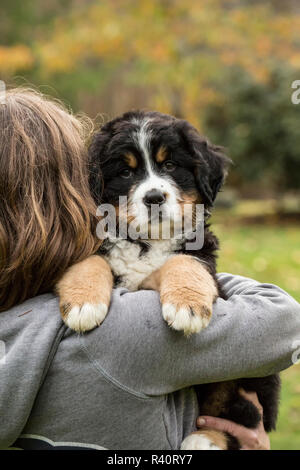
(129, 383)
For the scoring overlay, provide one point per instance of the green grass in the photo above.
(268, 254)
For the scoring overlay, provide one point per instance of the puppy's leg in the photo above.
(84, 292)
(207, 439)
(187, 292)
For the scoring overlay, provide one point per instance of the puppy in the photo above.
(155, 161)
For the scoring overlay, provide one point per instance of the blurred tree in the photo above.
(259, 125)
(22, 22)
(175, 48)
(172, 55)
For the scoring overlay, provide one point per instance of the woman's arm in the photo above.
(251, 334)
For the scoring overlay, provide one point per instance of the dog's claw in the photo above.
(86, 318)
(185, 318)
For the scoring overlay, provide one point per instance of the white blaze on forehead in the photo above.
(152, 180)
(142, 139)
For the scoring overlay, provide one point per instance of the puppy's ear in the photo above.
(210, 164)
(210, 169)
(96, 152)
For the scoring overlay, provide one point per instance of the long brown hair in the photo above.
(47, 215)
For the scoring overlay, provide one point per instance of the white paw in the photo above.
(87, 317)
(198, 442)
(183, 319)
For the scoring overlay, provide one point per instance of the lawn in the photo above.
(268, 254)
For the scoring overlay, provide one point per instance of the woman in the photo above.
(127, 384)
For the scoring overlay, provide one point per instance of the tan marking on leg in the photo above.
(152, 282)
(187, 293)
(88, 282)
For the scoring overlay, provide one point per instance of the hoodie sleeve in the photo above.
(29, 336)
(252, 334)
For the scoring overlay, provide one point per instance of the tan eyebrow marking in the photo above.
(161, 154)
(130, 160)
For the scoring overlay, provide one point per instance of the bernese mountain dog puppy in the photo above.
(153, 160)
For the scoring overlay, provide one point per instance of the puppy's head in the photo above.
(154, 159)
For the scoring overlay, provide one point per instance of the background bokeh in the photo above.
(225, 65)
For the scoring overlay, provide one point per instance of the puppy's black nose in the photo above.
(154, 196)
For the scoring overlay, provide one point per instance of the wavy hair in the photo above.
(47, 214)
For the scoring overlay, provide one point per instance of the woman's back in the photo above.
(78, 403)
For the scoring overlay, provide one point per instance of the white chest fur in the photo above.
(126, 260)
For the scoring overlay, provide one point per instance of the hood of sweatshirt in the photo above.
(29, 336)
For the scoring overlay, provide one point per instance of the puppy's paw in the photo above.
(197, 441)
(187, 318)
(85, 318)
(84, 293)
(207, 439)
(187, 292)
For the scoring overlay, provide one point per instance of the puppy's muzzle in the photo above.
(154, 196)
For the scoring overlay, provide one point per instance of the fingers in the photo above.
(220, 424)
(247, 437)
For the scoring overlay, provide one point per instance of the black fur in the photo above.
(201, 167)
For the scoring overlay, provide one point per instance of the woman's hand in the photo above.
(250, 439)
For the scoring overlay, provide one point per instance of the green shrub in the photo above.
(260, 127)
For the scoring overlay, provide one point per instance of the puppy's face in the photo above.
(154, 159)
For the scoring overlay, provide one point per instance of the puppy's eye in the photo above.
(126, 173)
(169, 166)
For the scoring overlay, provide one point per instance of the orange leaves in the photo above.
(15, 58)
(155, 33)
(295, 60)
(160, 53)
(170, 47)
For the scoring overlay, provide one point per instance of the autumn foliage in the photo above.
(173, 55)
